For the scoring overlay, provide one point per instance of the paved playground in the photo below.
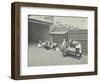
(42, 57)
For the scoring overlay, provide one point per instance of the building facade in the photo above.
(81, 35)
(38, 29)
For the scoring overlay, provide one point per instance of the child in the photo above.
(39, 44)
(78, 48)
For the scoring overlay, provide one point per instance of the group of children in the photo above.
(71, 45)
(48, 45)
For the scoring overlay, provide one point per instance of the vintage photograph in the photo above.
(53, 40)
(57, 40)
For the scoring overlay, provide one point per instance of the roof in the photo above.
(79, 31)
(62, 32)
(58, 28)
(40, 19)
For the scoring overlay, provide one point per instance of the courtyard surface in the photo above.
(42, 57)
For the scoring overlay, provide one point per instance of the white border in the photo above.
(25, 70)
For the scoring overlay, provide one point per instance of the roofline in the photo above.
(39, 21)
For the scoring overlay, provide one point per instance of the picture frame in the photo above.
(18, 15)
